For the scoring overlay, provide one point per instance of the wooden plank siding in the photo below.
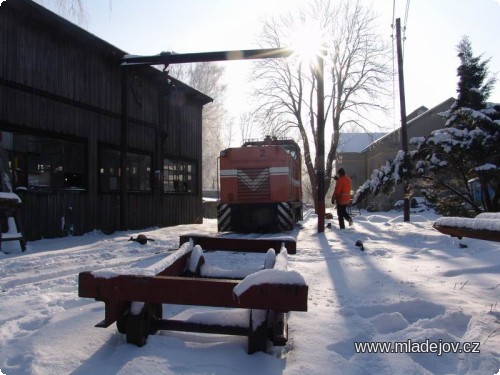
(58, 81)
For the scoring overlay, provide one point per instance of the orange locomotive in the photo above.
(260, 187)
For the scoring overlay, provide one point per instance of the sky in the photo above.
(410, 284)
(433, 29)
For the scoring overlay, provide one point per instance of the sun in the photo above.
(307, 42)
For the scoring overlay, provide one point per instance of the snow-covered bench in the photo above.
(485, 226)
(134, 298)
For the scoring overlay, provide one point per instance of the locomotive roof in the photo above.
(271, 141)
(289, 145)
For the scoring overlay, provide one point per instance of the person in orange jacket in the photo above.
(342, 195)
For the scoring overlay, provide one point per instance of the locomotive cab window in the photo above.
(292, 151)
(178, 176)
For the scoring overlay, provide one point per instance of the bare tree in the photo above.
(249, 126)
(71, 9)
(209, 79)
(356, 73)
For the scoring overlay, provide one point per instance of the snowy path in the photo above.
(394, 291)
(410, 283)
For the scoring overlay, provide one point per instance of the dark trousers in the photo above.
(342, 214)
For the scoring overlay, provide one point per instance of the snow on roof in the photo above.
(356, 142)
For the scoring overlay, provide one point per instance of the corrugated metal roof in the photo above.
(356, 142)
(448, 101)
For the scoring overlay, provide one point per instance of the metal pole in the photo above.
(123, 152)
(320, 173)
(404, 134)
(174, 58)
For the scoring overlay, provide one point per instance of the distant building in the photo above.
(360, 164)
(61, 122)
(351, 156)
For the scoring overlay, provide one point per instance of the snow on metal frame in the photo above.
(152, 270)
(277, 275)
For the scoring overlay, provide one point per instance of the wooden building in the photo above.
(61, 125)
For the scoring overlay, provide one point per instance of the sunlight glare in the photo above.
(307, 42)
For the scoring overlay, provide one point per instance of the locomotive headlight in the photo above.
(223, 153)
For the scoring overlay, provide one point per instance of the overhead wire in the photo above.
(405, 25)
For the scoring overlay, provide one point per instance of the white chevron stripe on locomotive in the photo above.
(253, 183)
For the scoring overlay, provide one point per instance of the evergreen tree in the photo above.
(466, 149)
(475, 83)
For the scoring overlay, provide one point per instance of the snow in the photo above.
(5, 195)
(205, 199)
(150, 270)
(221, 317)
(194, 259)
(270, 259)
(478, 223)
(489, 215)
(271, 276)
(486, 167)
(357, 142)
(412, 284)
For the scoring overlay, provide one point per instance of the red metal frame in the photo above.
(180, 290)
(170, 286)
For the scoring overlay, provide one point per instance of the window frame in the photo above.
(148, 179)
(186, 174)
(60, 173)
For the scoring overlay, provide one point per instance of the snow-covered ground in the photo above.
(411, 284)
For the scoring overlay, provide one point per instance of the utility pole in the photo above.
(402, 105)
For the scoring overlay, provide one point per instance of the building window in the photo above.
(178, 176)
(138, 170)
(109, 169)
(42, 162)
